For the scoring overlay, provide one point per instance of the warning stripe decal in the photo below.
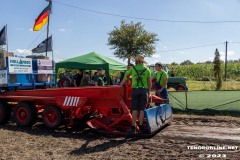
(71, 101)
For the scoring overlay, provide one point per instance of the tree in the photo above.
(208, 62)
(187, 62)
(131, 39)
(174, 63)
(217, 70)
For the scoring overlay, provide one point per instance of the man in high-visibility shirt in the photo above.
(141, 84)
(161, 79)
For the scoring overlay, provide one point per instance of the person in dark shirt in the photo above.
(172, 73)
(98, 79)
(77, 78)
(94, 76)
(85, 80)
(125, 74)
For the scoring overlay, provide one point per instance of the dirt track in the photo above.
(171, 143)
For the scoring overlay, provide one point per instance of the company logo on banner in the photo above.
(44, 66)
(3, 77)
(19, 65)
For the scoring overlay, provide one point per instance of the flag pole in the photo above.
(51, 47)
(6, 37)
(52, 56)
(50, 4)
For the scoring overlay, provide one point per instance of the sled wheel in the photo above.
(5, 112)
(180, 88)
(64, 82)
(25, 114)
(52, 117)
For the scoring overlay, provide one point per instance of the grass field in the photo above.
(210, 85)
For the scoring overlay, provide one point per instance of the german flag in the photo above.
(42, 19)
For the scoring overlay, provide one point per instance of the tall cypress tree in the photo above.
(217, 70)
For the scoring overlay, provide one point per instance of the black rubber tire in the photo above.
(180, 88)
(64, 82)
(25, 114)
(52, 117)
(5, 112)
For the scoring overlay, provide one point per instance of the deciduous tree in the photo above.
(131, 39)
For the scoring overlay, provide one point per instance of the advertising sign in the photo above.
(3, 77)
(44, 66)
(19, 65)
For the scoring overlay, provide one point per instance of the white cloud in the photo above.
(55, 51)
(222, 53)
(150, 61)
(153, 59)
(30, 29)
(229, 53)
(211, 58)
(222, 58)
(58, 60)
(62, 29)
(22, 51)
(156, 56)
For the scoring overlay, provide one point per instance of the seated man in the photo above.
(85, 80)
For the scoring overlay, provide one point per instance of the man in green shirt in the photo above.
(141, 85)
(161, 79)
(98, 78)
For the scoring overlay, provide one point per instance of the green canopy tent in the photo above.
(92, 61)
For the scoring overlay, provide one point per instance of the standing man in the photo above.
(98, 78)
(141, 84)
(77, 78)
(161, 79)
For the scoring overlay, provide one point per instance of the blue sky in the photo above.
(77, 32)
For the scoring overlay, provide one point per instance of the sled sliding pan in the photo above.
(156, 117)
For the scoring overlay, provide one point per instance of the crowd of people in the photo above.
(84, 79)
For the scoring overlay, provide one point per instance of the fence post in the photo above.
(186, 100)
(226, 61)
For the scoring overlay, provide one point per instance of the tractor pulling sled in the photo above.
(108, 108)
